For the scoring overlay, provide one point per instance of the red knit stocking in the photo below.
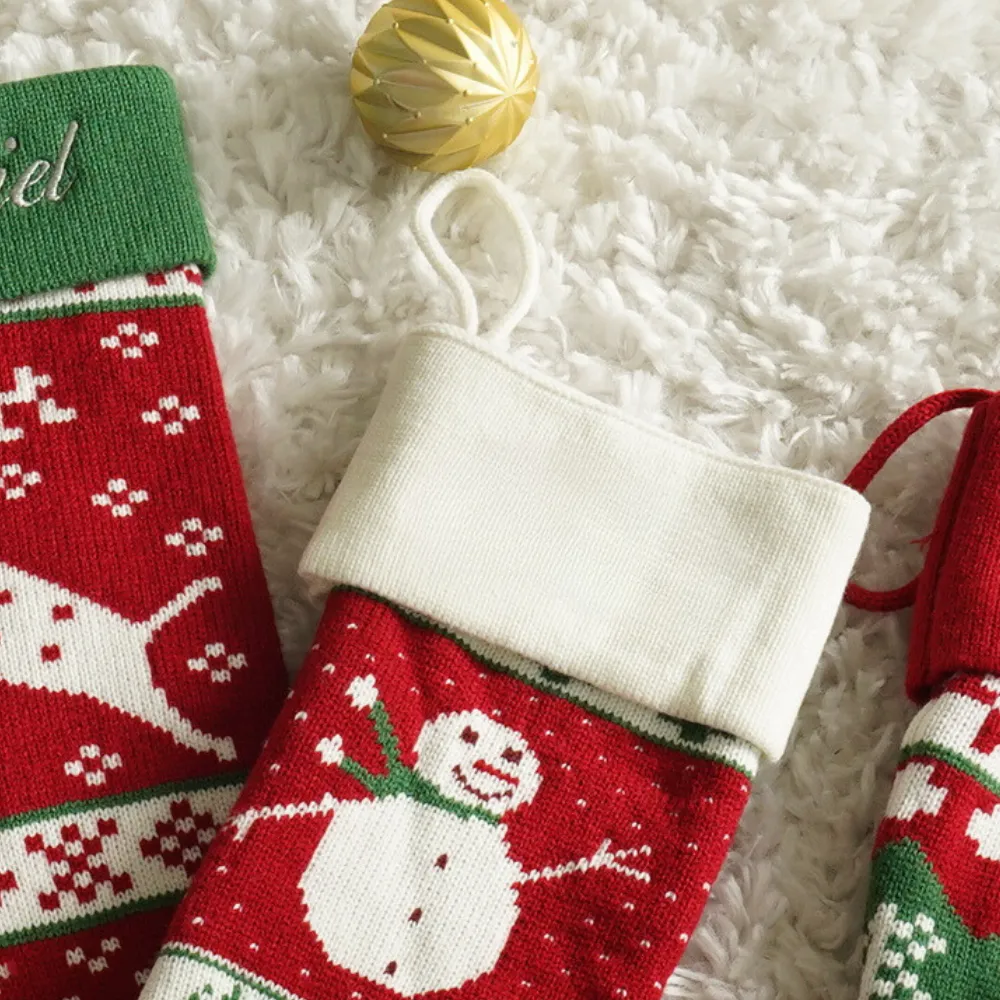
(139, 667)
(434, 819)
(519, 749)
(934, 906)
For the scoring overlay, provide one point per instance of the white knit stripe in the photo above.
(184, 971)
(179, 285)
(39, 850)
(508, 506)
(948, 727)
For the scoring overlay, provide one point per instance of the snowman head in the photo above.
(474, 760)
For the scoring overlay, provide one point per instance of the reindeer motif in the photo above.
(55, 640)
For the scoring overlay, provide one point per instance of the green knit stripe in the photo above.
(96, 919)
(690, 738)
(934, 751)
(96, 181)
(231, 779)
(184, 972)
(78, 308)
(918, 946)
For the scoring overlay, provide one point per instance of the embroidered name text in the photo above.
(26, 189)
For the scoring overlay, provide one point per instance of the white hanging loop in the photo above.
(423, 228)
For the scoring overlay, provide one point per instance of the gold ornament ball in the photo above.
(444, 84)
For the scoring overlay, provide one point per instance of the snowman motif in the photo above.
(55, 640)
(425, 864)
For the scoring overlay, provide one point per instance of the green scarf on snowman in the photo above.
(399, 779)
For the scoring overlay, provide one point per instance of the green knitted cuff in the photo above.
(95, 181)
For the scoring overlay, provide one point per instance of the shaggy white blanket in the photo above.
(766, 225)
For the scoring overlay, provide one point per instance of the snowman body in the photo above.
(412, 896)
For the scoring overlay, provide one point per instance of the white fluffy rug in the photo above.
(766, 225)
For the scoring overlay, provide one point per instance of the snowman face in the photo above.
(476, 761)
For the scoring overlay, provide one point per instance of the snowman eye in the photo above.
(469, 735)
(512, 756)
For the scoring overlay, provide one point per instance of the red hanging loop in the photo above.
(881, 450)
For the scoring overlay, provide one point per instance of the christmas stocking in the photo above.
(557, 643)
(139, 666)
(934, 905)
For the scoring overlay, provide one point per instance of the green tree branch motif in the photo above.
(208, 991)
(397, 778)
(364, 695)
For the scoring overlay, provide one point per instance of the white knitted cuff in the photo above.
(504, 504)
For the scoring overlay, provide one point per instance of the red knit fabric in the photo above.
(883, 447)
(424, 821)
(967, 870)
(934, 911)
(956, 597)
(956, 620)
(139, 664)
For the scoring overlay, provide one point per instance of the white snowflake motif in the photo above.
(331, 749)
(984, 829)
(194, 537)
(76, 956)
(130, 340)
(171, 415)
(14, 481)
(120, 498)
(363, 692)
(92, 764)
(220, 663)
(913, 792)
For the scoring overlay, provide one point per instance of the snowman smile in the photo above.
(481, 765)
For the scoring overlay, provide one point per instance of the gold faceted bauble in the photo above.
(444, 84)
